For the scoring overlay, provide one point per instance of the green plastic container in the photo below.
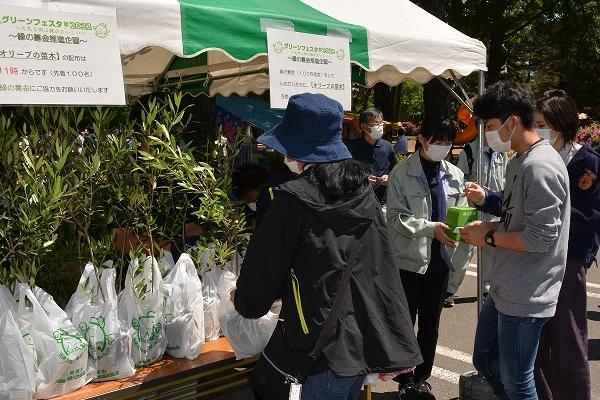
(458, 217)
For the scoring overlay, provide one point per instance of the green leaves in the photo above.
(62, 192)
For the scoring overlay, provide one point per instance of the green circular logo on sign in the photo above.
(340, 54)
(278, 47)
(102, 30)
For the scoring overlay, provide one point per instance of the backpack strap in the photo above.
(470, 158)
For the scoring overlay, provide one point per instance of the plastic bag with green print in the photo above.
(184, 315)
(62, 353)
(209, 273)
(17, 365)
(94, 313)
(141, 309)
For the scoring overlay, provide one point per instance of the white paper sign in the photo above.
(55, 57)
(302, 62)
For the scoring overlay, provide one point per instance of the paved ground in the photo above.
(457, 333)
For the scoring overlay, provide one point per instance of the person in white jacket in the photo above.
(420, 190)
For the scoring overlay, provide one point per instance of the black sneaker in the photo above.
(408, 392)
(449, 302)
(424, 390)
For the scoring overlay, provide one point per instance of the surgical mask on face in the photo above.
(252, 206)
(293, 165)
(546, 133)
(376, 132)
(437, 152)
(495, 141)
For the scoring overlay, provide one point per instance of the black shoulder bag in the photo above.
(270, 379)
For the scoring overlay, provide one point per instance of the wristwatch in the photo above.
(489, 238)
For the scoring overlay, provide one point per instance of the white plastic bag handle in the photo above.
(7, 301)
(88, 272)
(38, 310)
(150, 268)
(107, 280)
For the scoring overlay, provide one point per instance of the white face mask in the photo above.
(496, 143)
(293, 165)
(376, 132)
(546, 133)
(252, 206)
(437, 152)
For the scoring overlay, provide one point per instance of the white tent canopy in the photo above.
(392, 40)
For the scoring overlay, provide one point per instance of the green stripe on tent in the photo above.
(234, 26)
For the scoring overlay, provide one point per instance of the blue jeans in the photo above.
(326, 386)
(505, 349)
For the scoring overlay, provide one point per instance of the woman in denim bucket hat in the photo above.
(323, 249)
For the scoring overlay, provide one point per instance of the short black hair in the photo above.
(506, 98)
(439, 130)
(368, 114)
(560, 112)
(341, 178)
(247, 177)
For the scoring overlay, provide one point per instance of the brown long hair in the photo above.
(560, 112)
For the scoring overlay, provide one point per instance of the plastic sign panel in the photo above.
(302, 62)
(56, 57)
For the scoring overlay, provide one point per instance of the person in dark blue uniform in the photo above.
(372, 150)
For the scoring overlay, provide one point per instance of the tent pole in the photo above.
(481, 88)
(460, 86)
(453, 93)
(215, 78)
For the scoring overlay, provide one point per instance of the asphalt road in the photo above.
(457, 333)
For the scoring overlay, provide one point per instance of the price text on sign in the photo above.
(52, 57)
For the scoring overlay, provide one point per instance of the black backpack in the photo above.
(470, 158)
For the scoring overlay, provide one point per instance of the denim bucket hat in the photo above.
(311, 130)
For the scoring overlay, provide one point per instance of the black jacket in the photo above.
(267, 192)
(312, 235)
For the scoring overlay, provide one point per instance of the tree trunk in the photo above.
(497, 56)
(436, 101)
(435, 96)
(388, 100)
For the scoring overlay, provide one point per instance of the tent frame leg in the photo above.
(481, 88)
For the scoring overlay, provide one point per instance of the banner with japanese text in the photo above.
(302, 62)
(56, 57)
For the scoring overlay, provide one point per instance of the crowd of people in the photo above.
(355, 277)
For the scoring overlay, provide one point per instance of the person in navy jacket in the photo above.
(562, 369)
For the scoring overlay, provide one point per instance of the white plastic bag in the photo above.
(61, 352)
(166, 263)
(247, 337)
(185, 315)
(141, 306)
(210, 275)
(17, 368)
(96, 317)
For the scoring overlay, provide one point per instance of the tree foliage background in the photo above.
(545, 43)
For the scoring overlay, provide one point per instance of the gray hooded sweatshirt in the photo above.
(536, 202)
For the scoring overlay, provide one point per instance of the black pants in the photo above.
(561, 368)
(425, 295)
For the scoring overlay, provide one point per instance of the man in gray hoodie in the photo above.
(530, 242)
